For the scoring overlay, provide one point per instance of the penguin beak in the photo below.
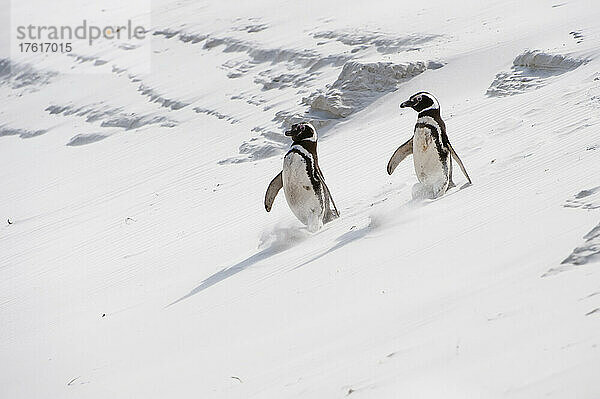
(288, 133)
(406, 104)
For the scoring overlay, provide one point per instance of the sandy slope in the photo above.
(140, 263)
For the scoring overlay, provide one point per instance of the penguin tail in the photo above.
(330, 215)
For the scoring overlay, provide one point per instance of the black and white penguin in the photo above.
(430, 147)
(302, 180)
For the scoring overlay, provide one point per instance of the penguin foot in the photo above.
(314, 223)
(421, 192)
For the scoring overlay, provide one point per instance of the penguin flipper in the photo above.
(272, 191)
(331, 210)
(450, 181)
(462, 167)
(402, 152)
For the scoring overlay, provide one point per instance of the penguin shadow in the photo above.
(422, 197)
(276, 241)
(343, 240)
(457, 189)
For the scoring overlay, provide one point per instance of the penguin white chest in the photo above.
(300, 194)
(428, 166)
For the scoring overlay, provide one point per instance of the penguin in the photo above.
(302, 180)
(430, 147)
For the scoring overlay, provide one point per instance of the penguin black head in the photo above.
(421, 101)
(302, 131)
